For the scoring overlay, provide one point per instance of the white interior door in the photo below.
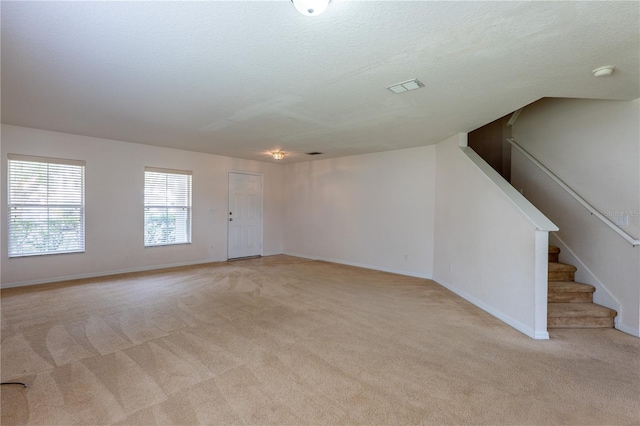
(245, 215)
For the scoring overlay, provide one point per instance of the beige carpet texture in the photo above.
(287, 341)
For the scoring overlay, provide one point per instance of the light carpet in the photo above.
(283, 340)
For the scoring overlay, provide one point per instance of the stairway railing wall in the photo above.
(631, 240)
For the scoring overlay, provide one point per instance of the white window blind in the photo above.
(167, 207)
(46, 206)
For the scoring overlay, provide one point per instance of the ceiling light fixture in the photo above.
(278, 155)
(605, 71)
(311, 7)
(405, 86)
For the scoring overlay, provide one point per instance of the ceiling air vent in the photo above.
(314, 153)
(405, 86)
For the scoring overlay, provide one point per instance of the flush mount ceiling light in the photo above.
(311, 7)
(405, 86)
(278, 155)
(605, 71)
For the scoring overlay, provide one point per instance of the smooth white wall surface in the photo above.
(373, 210)
(594, 147)
(3, 184)
(486, 249)
(114, 190)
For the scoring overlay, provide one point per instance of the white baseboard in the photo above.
(501, 316)
(361, 265)
(107, 273)
(538, 335)
(626, 329)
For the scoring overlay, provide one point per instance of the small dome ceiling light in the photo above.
(278, 155)
(311, 7)
(605, 71)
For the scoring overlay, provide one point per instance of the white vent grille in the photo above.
(406, 86)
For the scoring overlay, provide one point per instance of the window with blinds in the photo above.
(167, 207)
(45, 206)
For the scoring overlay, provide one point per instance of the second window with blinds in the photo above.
(167, 207)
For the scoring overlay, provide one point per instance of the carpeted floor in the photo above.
(282, 340)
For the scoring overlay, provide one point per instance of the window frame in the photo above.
(167, 206)
(46, 206)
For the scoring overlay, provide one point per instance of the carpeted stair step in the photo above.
(579, 315)
(553, 253)
(561, 272)
(570, 292)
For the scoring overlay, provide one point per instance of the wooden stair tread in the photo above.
(561, 267)
(570, 287)
(554, 249)
(579, 310)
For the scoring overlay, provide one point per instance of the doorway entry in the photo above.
(245, 215)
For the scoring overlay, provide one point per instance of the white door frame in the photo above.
(261, 208)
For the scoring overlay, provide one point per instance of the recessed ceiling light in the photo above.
(405, 86)
(605, 71)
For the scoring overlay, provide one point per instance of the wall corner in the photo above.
(541, 284)
(463, 139)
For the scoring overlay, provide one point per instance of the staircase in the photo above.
(570, 304)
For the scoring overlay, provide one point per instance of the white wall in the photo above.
(114, 206)
(373, 210)
(487, 247)
(2, 217)
(594, 147)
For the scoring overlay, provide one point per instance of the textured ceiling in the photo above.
(243, 78)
